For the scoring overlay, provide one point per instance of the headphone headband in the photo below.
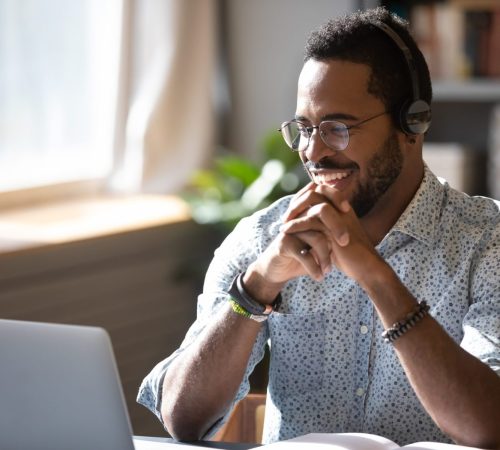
(415, 115)
(407, 54)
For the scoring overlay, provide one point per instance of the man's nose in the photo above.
(317, 149)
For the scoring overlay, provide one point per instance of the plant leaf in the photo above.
(244, 171)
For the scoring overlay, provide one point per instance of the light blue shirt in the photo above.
(330, 370)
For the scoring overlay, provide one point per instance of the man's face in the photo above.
(373, 160)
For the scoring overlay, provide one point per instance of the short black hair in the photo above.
(354, 38)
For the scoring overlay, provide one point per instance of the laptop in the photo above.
(59, 389)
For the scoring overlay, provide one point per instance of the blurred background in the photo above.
(135, 133)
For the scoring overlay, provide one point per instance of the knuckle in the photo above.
(324, 209)
(316, 238)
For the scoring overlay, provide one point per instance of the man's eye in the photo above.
(335, 129)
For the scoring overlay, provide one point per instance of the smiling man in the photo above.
(376, 286)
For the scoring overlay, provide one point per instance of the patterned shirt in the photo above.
(330, 370)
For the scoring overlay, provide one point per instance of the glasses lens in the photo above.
(295, 135)
(334, 134)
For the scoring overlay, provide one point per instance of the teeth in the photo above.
(321, 178)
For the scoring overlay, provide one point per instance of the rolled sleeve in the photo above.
(482, 322)
(482, 331)
(238, 250)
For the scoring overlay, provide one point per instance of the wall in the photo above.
(141, 286)
(265, 41)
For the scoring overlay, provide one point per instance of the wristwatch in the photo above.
(248, 306)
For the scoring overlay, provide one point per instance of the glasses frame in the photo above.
(310, 130)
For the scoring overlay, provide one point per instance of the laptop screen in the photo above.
(59, 389)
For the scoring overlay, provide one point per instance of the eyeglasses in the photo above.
(333, 133)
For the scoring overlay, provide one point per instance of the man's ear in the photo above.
(410, 143)
(411, 140)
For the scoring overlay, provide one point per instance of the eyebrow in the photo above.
(333, 116)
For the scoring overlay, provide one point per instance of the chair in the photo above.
(246, 421)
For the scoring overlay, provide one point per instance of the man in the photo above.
(375, 242)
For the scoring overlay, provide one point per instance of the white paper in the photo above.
(143, 444)
(438, 446)
(337, 441)
(354, 441)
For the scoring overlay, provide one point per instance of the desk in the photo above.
(206, 444)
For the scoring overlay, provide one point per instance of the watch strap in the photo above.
(243, 312)
(238, 293)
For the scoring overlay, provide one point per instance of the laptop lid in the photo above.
(59, 389)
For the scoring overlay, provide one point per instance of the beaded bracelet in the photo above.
(401, 327)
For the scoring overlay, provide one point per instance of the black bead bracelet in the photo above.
(402, 326)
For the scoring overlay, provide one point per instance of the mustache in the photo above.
(328, 165)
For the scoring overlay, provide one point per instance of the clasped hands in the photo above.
(320, 230)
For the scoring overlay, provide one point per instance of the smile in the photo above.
(330, 178)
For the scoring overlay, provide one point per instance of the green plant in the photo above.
(236, 187)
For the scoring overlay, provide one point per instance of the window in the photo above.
(59, 65)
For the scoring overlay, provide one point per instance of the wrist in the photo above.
(245, 305)
(259, 288)
(376, 274)
(389, 295)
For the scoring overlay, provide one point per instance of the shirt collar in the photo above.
(420, 219)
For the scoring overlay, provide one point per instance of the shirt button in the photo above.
(360, 392)
(363, 329)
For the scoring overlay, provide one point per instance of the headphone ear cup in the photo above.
(415, 117)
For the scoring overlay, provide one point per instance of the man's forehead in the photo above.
(338, 82)
(316, 74)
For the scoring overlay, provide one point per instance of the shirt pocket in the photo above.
(297, 352)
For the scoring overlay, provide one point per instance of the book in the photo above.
(460, 38)
(493, 63)
(354, 441)
(439, 29)
(494, 154)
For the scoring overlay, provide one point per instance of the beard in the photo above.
(382, 170)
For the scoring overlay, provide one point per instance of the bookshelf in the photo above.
(459, 38)
(471, 90)
(461, 42)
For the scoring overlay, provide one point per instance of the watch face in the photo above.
(262, 318)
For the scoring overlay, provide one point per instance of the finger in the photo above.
(298, 198)
(322, 218)
(309, 186)
(301, 204)
(319, 246)
(312, 250)
(334, 196)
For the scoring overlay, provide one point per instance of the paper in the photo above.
(354, 441)
(337, 441)
(438, 446)
(147, 444)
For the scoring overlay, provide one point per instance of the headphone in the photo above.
(414, 117)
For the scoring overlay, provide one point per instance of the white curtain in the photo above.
(165, 121)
